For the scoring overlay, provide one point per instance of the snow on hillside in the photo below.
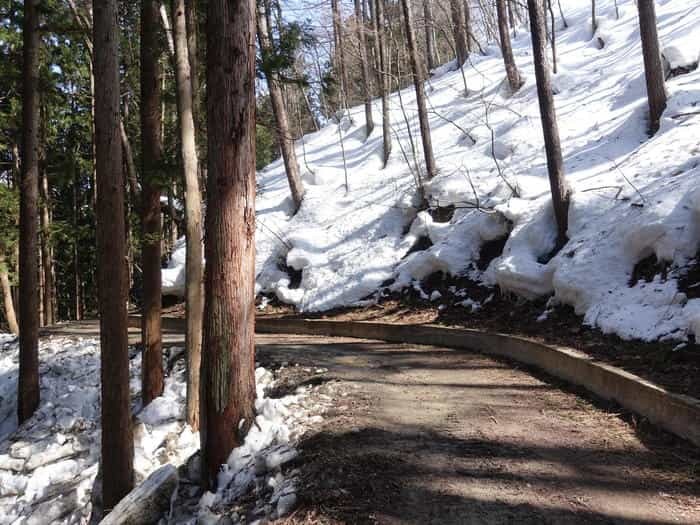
(634, 196)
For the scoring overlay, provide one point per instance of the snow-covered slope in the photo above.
(633, 195)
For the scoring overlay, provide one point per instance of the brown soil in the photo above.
(675, 369)
(424, 435)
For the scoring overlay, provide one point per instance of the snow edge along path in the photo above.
(48, 464)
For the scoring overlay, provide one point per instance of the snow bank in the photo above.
(632, 195)
(50, 462)
(53, 457)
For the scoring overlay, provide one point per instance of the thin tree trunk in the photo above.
(468, 25)
(131, 175)
(117, 436)
(429, 35)
(594, 21)
(46, 258)
(561, 13)
(417, 66)
(76, 255)
(284, 136)
(193, 213)
(653, 67)
(9, 306)
(460, 31)
(512, 72)
(228, 357)
(364, 65)
(339, 52)
(384, 64)
(166, 26)
(172, 215)
(555, 163)
(28, 387)
(152, 176)
(192, 26)
(376, 48)
(553, 37)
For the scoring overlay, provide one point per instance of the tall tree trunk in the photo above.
(76, 254)
(193, 213)
(653, 68)
(376, 49)
(117, 435)
(172, 215)
(364, 65)
(553, 36)
(152, 180)
(28, 387)
(417, 66)
(7, 297)
(468, 24)
(429, 35)
(46, 256)
(129, 164)
(514, 80)
(555, 163)
(339, 52)
(384, 65)
(228, 358)
(284, 134)
(459, 28)
(191, 26)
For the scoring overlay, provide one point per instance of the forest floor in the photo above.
(416, 435)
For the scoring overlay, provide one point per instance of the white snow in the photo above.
(632, 195)
(51, 460)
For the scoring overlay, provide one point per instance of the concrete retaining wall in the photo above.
(676, 413)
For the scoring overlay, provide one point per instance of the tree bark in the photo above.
(376, 49)
(7, 297)
(46, 251)
(514, 80)
(384, 64)
(117, 435)
(192, 28)
(468, 25)
(28, 387)
(193, 213)
(364, 65)
(228, 357)
(284, 136)
(555, 163)
(459, 28)
(339, 52)
(417, 66)
(653, 67)
(76, 254)
(429, 35)
(151, 183)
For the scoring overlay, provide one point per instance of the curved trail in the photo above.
(431, 435)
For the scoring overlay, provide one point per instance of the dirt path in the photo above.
(428, 435)
(425, 435)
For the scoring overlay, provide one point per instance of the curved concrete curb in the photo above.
(676, 413)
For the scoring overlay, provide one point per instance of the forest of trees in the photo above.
(126, 125)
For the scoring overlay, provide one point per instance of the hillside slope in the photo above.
(634, 197)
